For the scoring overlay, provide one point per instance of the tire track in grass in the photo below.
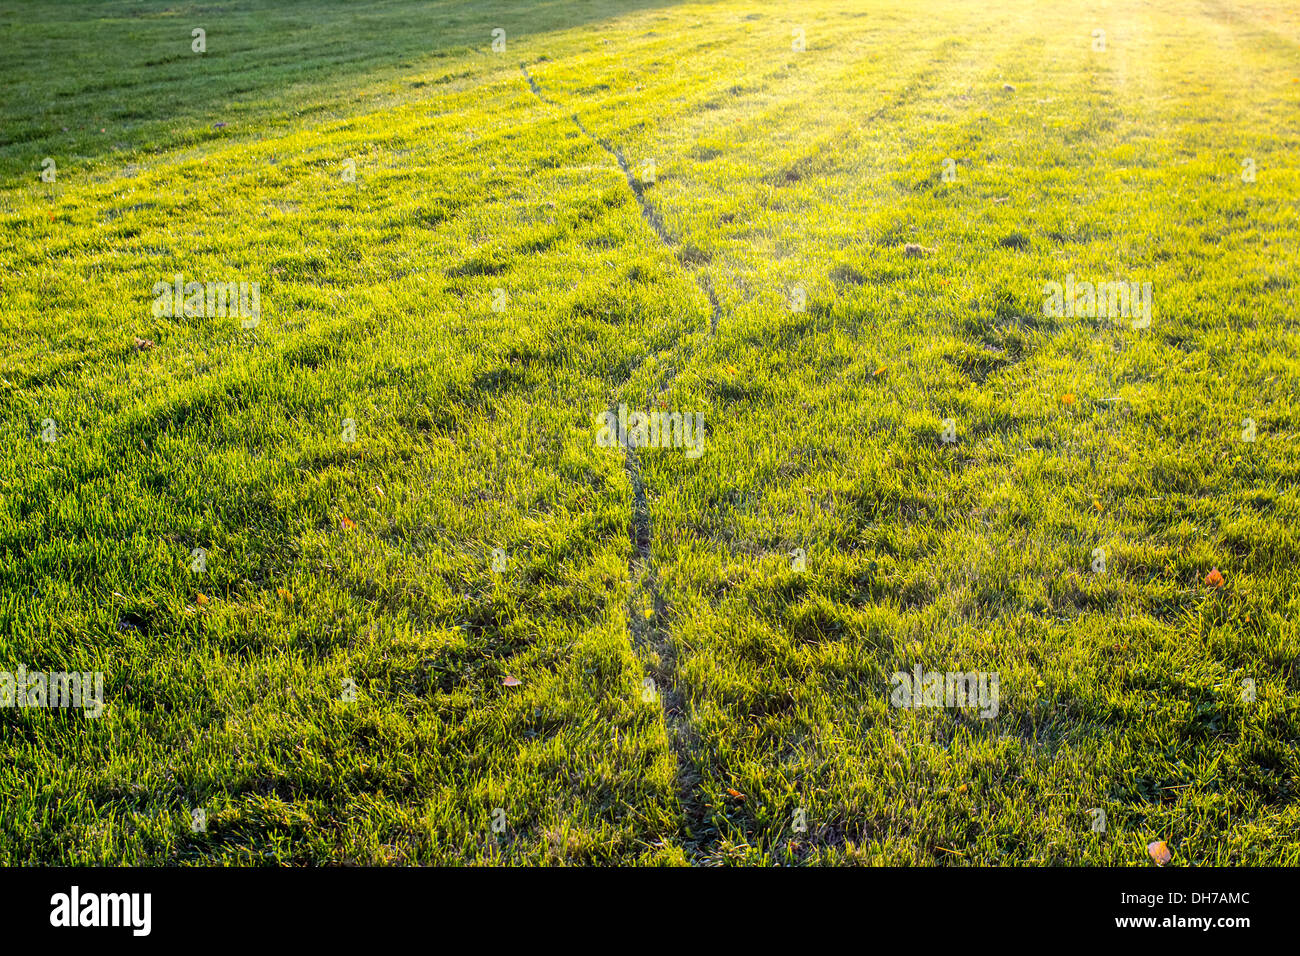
(646, 610)
(648, 211)
(652, 642)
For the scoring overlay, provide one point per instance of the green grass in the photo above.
(332, 564)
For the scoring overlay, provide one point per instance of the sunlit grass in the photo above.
(332, 685)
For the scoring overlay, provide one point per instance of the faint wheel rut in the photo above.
(646, 610)
(653, 644)
(648, 211)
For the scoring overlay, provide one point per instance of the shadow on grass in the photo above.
(92, 79)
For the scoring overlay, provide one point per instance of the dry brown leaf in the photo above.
(1215, 578)
(511, 681)
(1159, 851)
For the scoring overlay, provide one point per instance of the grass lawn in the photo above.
(364, 576)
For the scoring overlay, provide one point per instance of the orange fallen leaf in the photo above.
(201, 599)
(1068, 398)
(736, 793)
(511, 681)
(348, 523)
(1214, 579)
(287, 595)
(1159, 851)
(878, 372)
